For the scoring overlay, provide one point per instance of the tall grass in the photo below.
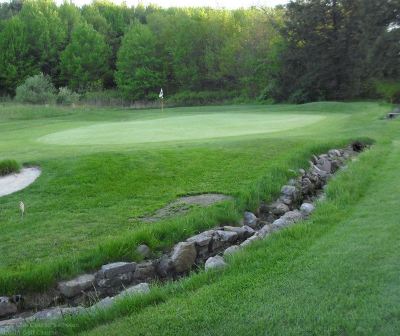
(8, 167)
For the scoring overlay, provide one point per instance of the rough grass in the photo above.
(81, 212)
(8, 167)
(336, 274)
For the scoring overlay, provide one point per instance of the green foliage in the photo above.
(37, 89)
(389, 90)
(66, 97)
(8, 167)
(16, 61)
(84, 62)
(189, 98)
(139, 72)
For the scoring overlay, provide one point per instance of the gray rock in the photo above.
(334, 153)
(242, 231)
(111, 270)
(325, 165)
(250, 240)
(307, 208)
(202, 239)
(216, 262)
(265, 231)
(226, 236)
(183, 256)
(289, 191)
(287, 219)
(8, 326)
(145, 271)
(102, 304)
(279, 208)
(115, 281)
(55, 313)
(143, 250)
(164, 266)
(75, 286)
(231, 250)
(7, 307)
(250, 219)
(141, 288)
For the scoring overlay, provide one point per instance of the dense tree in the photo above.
(307, 50)
(85, 61)
(16, 62)
(139, 71)
(329, 53)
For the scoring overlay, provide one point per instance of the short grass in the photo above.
(83, 209)
(335, 274)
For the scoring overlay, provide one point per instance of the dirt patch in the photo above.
(15, 182)
(183, 204)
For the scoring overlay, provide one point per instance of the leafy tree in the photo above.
(16, 61)
(139, 72)
(84, 62)
(45, 35)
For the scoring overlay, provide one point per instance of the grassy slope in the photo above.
(336, 274)
(79, 209)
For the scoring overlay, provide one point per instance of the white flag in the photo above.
(22, 208)
(161, 95)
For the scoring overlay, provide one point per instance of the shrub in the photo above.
(67, 97)
(8, 167)
(389, 90)
(37, 89)
(201, 97)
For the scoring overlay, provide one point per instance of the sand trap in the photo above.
(184, 204)
(15, 182)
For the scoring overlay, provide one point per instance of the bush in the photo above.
(67, 97)
(201, 97)
(37, 89)
(389, 90)
(8, 167)
(104, 98)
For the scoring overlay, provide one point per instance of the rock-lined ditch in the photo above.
(207, 249)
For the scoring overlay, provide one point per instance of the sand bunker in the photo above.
(184, 204)
(15, 182)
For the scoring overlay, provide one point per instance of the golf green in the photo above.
(180, 128)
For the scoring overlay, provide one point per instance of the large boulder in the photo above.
(250, 219)
(55, 313)
(231, 250)
(242, 231)
(145, 271)
(324, 164)
(183, 256)
(278, 208)
(307, 208)
(114, 269)
(287, 219)
(143, 250)
(141, 288)
(228, 237)
(216, 262)
(76, 286)
(7, 307)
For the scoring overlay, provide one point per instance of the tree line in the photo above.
(308, 50)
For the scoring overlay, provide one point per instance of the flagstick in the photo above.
(162, 105)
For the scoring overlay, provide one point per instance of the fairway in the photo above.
(180, 128)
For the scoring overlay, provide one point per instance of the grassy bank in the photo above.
(334, 274)
(84, 210)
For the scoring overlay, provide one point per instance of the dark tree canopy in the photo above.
(308, 50)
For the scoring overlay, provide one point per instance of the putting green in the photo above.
(179, 128)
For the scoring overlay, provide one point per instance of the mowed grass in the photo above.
(335, 274)
(84, 209)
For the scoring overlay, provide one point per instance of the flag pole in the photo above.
(161, 96)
